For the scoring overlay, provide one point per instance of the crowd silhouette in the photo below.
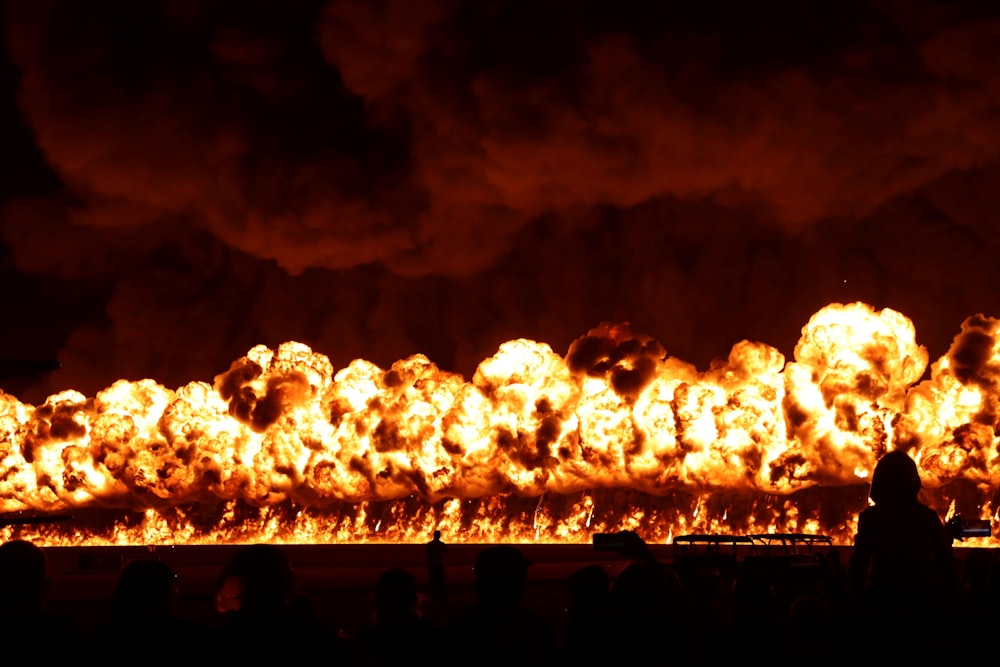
(902, 599)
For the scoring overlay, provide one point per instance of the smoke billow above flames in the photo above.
(283, 428)
(210, 160)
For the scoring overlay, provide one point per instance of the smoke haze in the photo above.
(190, 179)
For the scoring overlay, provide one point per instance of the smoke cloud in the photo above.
(381, 179)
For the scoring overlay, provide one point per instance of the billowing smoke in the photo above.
(381, 179)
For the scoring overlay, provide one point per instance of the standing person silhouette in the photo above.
(31, 628)
(436, 554)
(902, 569)
(264, 617)
(902, 551)
(499, 629)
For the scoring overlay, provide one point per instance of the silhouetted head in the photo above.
(437, 534)
(145, 587)
(895, 479)
(257, 577)
(501, 574)
(588, 587)
(810, 619)
(396, 588)
(645, 584)
(753, 597)
(24, 575)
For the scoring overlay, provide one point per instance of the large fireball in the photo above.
(536, 447)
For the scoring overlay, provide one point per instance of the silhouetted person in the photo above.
(264, 617)
(398, 634)
(982, 604)
(649, 617)
(755, 611)
(437, 552)
(143, 615)
(24, 578)
(499, 630)
(813, 634)
(902, 552)
(837, 582)
(633, 546)
(902, 569)
(588, 593)
(31, 630)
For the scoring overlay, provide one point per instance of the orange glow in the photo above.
(536, 448)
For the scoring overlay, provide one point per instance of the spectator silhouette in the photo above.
(902, 552)
(397, 632)
(649, 616)
(24, 575)
(812, 633)
(499, 629)
(143, 615)
(32, 629)
(756, 613)
(981, 600)
(634, 547)
(902, 570)
(264, 617)
(588, 594)
(837, 582)
(437, 552)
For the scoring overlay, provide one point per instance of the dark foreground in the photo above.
(341, 579)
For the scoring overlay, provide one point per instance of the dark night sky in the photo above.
(185, 179)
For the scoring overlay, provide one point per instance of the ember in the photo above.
(538, 447)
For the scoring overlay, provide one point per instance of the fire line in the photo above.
(536, 447)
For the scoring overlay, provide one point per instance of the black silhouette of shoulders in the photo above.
(31, 626)
(143, 615)
(901, 550)
(499, 629)
(265, 619)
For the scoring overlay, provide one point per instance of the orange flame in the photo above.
(536, 448)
